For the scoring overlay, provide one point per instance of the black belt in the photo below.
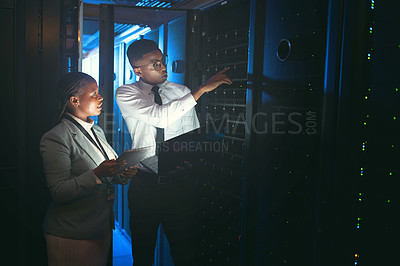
(160, 179)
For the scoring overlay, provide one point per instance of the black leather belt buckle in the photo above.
(162, 179)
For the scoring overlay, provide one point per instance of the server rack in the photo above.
(224, 33)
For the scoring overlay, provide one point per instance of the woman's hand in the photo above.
(108, 168)
(129, 172)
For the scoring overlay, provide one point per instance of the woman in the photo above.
(80, 169)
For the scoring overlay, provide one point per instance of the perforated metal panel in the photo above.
(224, 44)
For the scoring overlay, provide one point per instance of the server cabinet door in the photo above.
(287, 129)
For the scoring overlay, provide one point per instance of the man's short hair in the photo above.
(139, 48)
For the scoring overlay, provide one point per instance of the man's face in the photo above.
(145, 68)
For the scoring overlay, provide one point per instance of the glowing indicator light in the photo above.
(370, 29)
(388, 201)
(390, 173)
(369, 56)
(396, 89)
(366, 97)
(394, 118)
(356, 255)
(365, 123)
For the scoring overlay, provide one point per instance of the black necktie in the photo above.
(157, 99)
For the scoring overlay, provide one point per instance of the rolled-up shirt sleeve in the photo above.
(132, 103)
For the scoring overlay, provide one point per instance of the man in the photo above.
(155, 109)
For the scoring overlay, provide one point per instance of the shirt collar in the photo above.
(86, 125)
(146, 88)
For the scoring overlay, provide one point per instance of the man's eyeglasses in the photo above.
(158, 64)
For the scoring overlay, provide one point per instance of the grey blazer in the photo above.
(80, 209)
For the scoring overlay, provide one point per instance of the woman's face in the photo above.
(87, 102)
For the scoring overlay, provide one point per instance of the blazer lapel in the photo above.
(83, 142)
(100, 135)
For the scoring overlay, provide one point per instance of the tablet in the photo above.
(133, 157)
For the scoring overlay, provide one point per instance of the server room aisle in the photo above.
(122, 252)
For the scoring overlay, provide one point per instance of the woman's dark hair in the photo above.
(69, 85)
(140, 47)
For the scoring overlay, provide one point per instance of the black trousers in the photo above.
(169, 204)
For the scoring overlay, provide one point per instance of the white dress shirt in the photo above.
(142, 115)
(87, 126)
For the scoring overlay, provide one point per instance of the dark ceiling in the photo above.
(173, 4)
(135, 12)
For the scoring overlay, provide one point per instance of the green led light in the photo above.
(365, 123)
(389, 201)
(390, 173)
(397, 89)
(394, 118)
(366, 97)
(360, 194)
(392, 146)
(359, 199)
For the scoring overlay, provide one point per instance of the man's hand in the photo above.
(212, 83)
